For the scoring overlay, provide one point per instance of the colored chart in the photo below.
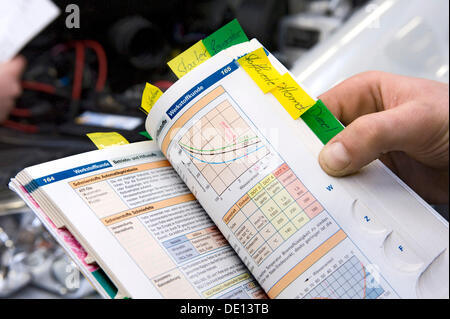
(349, 281)
(271, 212)
(222, 146)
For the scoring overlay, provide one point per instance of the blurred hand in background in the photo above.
(10, 88)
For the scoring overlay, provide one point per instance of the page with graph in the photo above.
(245, 162)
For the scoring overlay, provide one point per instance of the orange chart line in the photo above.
(307, 262)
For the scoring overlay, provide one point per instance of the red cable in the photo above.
(79, 68)
(27, 128)
(20, 112)
(102, 63)
(38, 86)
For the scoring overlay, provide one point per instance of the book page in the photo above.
(142, 224)
(251, 168)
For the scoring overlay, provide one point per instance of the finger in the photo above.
(9, 88)
(15, 67)
(5, 107)
(356, 96)
(404, 128)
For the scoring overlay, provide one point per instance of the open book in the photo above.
(229, 201)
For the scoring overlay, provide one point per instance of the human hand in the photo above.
(10, 89)
(403, 121)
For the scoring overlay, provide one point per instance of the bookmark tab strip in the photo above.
(227, 36)
(259, 68)
(292, 97)
(322, 122)
(107, 139)
(189, 59)
(150, 95)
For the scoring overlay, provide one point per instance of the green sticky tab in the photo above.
(322, 122)
(227, 36)
(145, 134)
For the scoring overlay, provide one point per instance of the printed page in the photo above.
(242, 156)
(20, 21)
(144, 227)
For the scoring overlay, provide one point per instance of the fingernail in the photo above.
(335, 156)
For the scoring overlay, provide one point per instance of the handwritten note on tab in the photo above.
(293, 98)
(230, 34)
(107, 139)
(322, 122)
(189, 59)
(150, 95)
(258, 66)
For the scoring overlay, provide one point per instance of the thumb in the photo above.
(403, 128)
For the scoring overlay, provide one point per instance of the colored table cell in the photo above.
(249, 208)
(268, 231)
(275, 241)
(236, 221)
(245, 232)
(314, 209)
(274, 188)
(197, 233)
(287, 178)
(262, 253)
(292, 210)
(183, 251)
(281, 170)
(230, 214)
(255, 190)
(288, 230)
(174, 241)
(258, 220)
(204, 244)
(280, 220)
(296, 189)
(261, 198)
(254, 243)
(238, 293)
(267, 180)
(270, 209)
(300, 220)
(219, 240)
(305, 200)
(243, 201)
(283, 199)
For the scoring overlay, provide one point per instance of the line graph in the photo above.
(349, 281)
(222, 146)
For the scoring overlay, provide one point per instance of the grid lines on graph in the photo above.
(222, 146)
(349, 281)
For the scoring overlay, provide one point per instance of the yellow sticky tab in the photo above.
(293, 98)
(150, 95)
(258, 66)
(104, 140)
(189, 59)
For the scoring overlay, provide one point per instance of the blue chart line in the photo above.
(223, 162)
(222, 146)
